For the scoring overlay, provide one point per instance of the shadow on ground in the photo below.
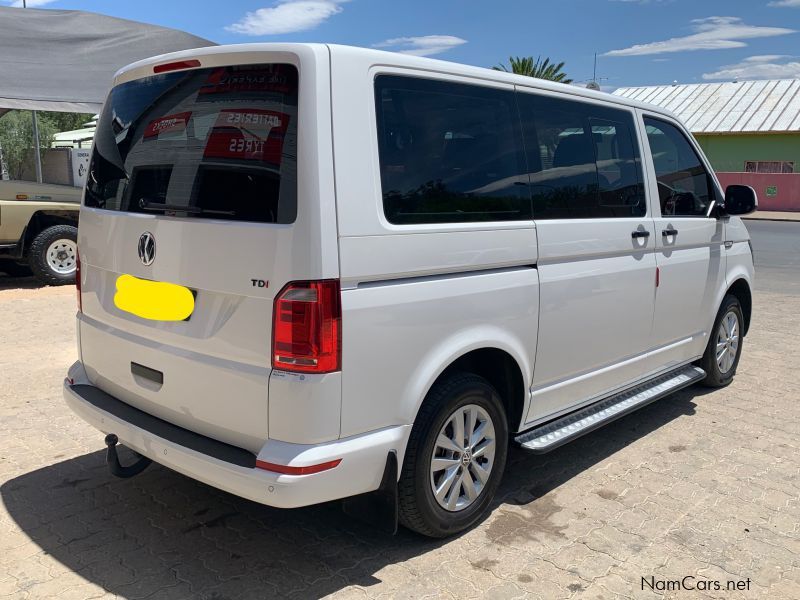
(28, 282)
(163, 532)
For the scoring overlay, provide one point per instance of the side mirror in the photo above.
(740, 200)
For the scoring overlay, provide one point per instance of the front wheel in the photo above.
(53, 255)
(724, 344)
(455, 457)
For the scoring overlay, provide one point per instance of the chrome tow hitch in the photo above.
(113, 460)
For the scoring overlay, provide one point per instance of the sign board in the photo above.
(772, 191)
(80, 165)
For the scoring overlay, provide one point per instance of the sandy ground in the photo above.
(700, 488)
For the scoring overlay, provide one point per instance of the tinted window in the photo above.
(215, 143)
(684, 185)
(583, 159)
(449, 153)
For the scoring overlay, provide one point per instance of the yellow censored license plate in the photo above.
(153, 300)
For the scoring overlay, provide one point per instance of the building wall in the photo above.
(775, 191)
(728, 152)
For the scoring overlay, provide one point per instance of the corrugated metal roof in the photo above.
(744, 106)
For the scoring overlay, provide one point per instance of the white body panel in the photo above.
(596, 310)
(573, 304)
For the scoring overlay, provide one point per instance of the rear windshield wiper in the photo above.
(146, 204)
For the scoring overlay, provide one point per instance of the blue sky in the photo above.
(638, 42)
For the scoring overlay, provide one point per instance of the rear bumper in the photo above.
(363, 457)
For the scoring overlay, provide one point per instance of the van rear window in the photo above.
(215, 143)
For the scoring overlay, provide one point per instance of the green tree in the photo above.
(16, 135)
(541, 69)
(65, 121)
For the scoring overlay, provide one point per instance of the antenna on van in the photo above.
(594, 83)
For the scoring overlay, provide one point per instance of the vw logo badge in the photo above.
(147, 248)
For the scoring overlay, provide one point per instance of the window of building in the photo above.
(583, 159)
(685, 187)
(769, 166)
(449, 152)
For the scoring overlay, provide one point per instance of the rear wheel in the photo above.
(724, 345)
(53, 255)
(455, 457)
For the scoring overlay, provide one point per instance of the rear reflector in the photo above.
(307, 327)
(175, 66)
(78, 278)
(286, 470)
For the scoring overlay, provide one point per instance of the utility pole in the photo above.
(37, 157)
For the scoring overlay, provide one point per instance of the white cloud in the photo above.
(712, 33)
(785, 3)
(425, 45)
(31, 3)
(287, 16)
(765, 66)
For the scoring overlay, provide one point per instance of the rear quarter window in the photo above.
(449, 152)
(216, 143)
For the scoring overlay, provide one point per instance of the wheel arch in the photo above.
(502, 371)
(41, 220)
(498, 361)
(740, 289)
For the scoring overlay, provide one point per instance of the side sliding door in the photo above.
(597, 267)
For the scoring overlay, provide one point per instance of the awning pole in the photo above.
(36, 148)
(36, 145)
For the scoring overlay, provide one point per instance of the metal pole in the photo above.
(36, 143)
(36, 148)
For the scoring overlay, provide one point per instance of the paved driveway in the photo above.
(701, 484)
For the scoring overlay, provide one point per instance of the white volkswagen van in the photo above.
(313, 272)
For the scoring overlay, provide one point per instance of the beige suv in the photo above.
(39, 230)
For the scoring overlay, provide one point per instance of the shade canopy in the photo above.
(64, 60)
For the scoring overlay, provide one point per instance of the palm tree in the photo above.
(543, 69)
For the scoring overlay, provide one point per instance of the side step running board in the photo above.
(565, 429)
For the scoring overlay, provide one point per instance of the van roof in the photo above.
(382, 57)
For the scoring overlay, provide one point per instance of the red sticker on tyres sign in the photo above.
(168, 123)
(248, 134)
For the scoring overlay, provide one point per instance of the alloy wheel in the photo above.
(463, 458)
(727, 342)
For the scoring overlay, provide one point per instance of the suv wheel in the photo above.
(53, 255)
(724, 345)
(455, 457)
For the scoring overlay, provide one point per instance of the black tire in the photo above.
(419, 509)
(14, 269)
(37, 254)
(714, 376)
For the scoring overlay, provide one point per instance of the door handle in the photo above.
(640, 234)
(667, 232)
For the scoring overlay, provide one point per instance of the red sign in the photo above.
(248, 134)
(169, 123)
(276, 78)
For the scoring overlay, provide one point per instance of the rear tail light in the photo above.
(307, 327)
(78, 278)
